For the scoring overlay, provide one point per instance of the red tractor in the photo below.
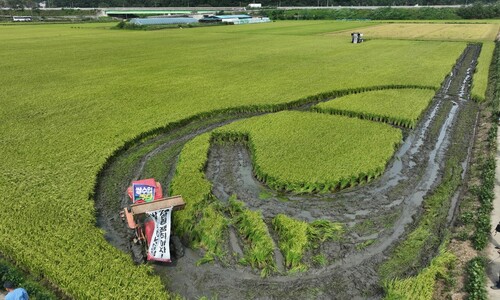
(149, 216)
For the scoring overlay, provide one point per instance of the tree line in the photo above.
(475, 11)
(479, 10)
(226, 3)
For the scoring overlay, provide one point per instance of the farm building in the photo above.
(22, 19)
(162, 21)
(252, 20)
(224, 18)
(234, 19)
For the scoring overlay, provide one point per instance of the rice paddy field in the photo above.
(435, 31)
(399, 107)
(81, 104)
(319, 146)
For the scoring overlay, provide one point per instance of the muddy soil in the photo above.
(378, 214)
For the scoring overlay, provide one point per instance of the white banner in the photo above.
(159, 247)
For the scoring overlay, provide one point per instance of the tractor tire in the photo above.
(138, 254)
(176, 246)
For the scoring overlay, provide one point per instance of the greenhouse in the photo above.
(162, 21)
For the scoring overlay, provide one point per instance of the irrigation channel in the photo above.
(378, 215)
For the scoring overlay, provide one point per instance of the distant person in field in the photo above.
(497, 229)
(13, 293)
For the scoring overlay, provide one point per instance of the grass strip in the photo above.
(486, 196)
(409, 255)
(485, 191)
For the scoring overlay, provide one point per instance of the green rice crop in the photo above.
(434, 31)
(420, 287)
(73, 95)
(293, 240)
(203, 222)
(401, 107)
(253, 229)
(296, 237)
(321, 231)
(330, 152)
(408, 254)
(190, 181)
(428, 233)
(209, 233)
(480, 80)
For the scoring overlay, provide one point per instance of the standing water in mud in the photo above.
(377, 214)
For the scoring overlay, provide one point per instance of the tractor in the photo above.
(149, 216)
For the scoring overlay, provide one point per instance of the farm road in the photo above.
(493, 254)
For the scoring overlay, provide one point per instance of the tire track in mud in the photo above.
(413, 172)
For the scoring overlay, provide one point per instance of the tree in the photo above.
(21, 4)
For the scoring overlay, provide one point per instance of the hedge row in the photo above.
(485, 192)
(476, 279)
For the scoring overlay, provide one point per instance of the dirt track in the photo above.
(378, 214)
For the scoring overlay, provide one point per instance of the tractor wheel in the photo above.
(177, 247)
(138, 254)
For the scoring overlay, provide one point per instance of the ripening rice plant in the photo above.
(420, 287)
(293, 240)
(308, 152)
(201, 219)
(480, 79)
(259, 246)
(296, 237)
(400, 107)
